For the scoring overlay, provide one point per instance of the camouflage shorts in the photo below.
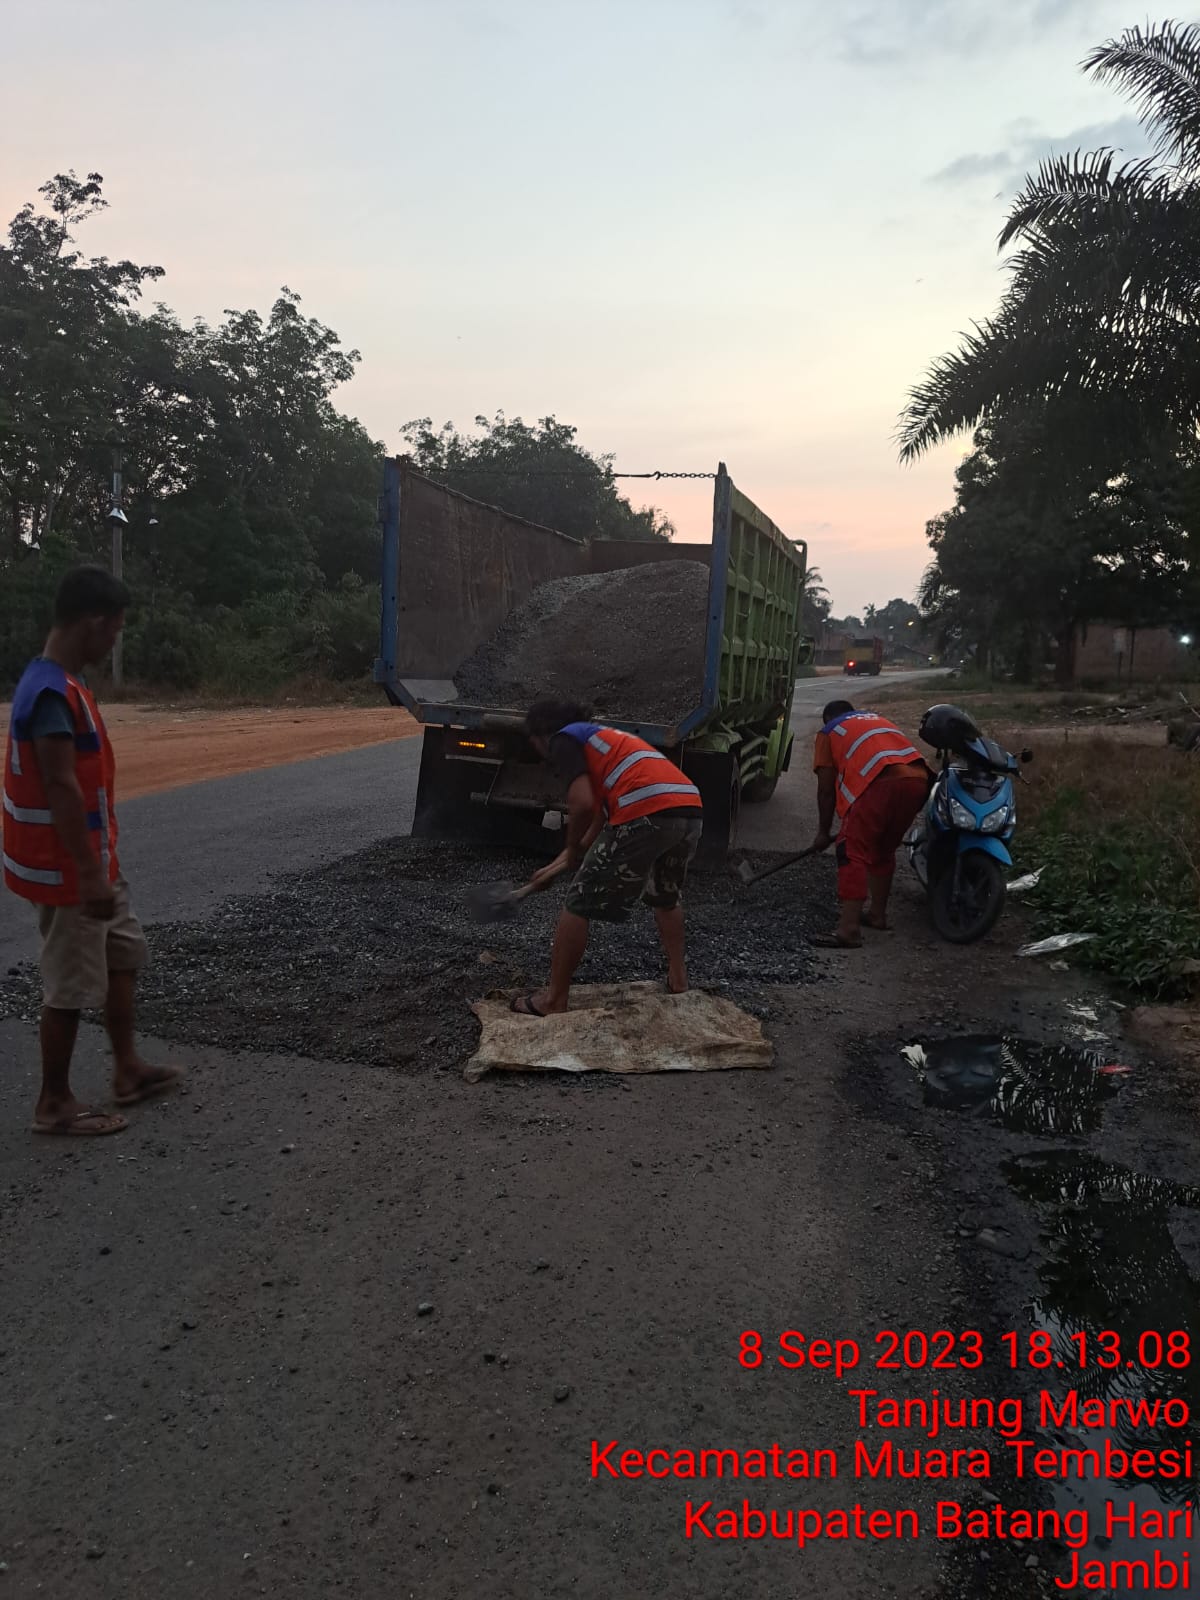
(646, 860)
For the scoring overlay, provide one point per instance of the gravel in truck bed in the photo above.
(373, 960)
(627, 644)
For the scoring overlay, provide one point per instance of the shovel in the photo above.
(748, 875)
(492, 902)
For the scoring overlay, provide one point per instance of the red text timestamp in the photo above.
(943, 1350)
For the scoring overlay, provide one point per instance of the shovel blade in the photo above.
(489, 902)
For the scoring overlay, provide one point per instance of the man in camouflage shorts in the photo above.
(645, 860)
(634, 822)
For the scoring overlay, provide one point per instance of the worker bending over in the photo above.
(633, 824)
(876, 782)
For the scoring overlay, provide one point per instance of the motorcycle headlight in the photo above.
(961, 817)
(996, 821)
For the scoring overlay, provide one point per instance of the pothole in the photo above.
(1116, 1321)
(1055, 1090)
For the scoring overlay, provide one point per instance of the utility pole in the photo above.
(118, 520)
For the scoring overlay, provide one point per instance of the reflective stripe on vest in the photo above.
(863, 744)
(30, 874)
(618, 765)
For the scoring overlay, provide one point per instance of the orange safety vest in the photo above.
(630, 777)
(36, 864)
(863, 744)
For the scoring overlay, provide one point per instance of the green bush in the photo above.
(1130, 881)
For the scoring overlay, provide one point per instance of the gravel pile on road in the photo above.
(628, 644)
(373, 960)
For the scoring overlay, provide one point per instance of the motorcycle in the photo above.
(958, 846)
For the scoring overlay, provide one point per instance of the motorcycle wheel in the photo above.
(965, 915)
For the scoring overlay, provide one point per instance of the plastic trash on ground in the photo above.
(1056, 942)
(619, 1027)
(1028, 881)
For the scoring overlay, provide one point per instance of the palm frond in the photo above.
(1082, 187)
(1160, 68)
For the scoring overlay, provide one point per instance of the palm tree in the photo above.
(815, 593)
(1099, 329)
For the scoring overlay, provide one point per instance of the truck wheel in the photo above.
(759, 790)
(719, 780)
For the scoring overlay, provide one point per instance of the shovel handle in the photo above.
(532, 888)
(788, 861)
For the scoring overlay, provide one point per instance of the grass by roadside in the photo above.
(1114, 825)
(304, 690)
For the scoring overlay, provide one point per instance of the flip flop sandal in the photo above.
(524, 1007)
(830, 941)
(158, 1083)
(83, 1125)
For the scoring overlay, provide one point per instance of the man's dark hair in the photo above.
(89, 592)
(836, 708)
(545, 717)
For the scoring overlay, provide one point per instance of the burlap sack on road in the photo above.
(619, 1027)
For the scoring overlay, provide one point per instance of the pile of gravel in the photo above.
(372, 960)
(628, 644)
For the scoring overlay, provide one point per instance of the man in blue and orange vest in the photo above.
(60, 853)
(875, 781)
(633, 825)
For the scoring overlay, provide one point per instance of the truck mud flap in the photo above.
(718, 778)
(443, 807)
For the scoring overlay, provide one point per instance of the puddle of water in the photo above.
(1111, 1266)
(1057, 1090)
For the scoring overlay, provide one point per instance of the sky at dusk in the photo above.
(696, 229)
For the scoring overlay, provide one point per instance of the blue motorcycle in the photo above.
(958, 845)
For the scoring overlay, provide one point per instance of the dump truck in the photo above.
(455, 568)
(864, 657)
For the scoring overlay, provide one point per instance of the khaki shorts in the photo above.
(645, 860)
(79, 952)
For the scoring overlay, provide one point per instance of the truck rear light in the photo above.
(471, 744)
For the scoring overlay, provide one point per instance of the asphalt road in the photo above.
(813, 693)
(184, 850)
(316, 1330)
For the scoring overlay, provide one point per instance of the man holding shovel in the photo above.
(634, 821)
(876, 782)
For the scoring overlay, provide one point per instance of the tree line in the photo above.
(1080, 499)
(251, 541)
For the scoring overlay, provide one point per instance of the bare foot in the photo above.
(876, 920)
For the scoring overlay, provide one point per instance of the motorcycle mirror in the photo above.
(1026, 757)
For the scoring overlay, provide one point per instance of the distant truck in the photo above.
(864, 657)
(453, 569)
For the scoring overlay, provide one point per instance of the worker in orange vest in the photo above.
(60, 853)
(634, 821)
(875, 781)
